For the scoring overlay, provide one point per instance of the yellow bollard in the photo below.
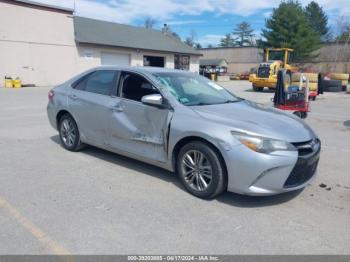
(17, 83)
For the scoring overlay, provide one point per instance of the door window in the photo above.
(101, 82)
(134, 87)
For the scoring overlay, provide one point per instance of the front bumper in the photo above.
(252, 173)
(263, 82)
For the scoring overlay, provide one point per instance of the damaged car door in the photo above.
(135, 127)
(87, 103)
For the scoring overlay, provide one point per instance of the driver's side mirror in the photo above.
(153, 100)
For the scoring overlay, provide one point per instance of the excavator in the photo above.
(266, 73)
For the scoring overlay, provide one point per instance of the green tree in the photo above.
(344, 37)
(198, 46)
(244, 34)
(175, 35)
(289, 27)
(318, 20)
(189, 41)
(343, 29)
(227, 41)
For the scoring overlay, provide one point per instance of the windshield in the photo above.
(191, 89)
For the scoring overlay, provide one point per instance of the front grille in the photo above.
(264, 71)
(308, 147)
(304, 169)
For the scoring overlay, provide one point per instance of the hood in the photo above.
(259, 119)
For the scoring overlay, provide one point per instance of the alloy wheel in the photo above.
(68, 132)
(197, 170)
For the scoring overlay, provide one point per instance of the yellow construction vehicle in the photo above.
(266, 73)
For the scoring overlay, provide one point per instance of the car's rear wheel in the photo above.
(69, 133)
(201, 170)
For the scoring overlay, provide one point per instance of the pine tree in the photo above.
(244, 34)
(227, 41)
(318, 20)
(289, 27)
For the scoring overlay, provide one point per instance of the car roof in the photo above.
(142, 69)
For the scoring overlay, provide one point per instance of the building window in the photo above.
(182, 62)
(157, 61)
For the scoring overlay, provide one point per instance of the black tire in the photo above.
(332, 86)
(74, 144)
(258, 88)
(298, 114)
(218, 182)
(312, 98)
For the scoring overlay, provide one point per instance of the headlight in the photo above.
(262, 144)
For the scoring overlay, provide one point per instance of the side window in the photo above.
(100, 82)
(80, 83)
(134, 87)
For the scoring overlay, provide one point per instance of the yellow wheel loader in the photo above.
(266, 74)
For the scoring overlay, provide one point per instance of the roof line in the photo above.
(107, 33)
(142, 49)
(50, 6)
(228, 47)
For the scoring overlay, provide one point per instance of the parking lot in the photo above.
(53, 201)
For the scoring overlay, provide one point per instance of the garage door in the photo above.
(115, 59)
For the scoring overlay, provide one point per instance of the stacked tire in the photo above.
(313, 80)
(343, 78)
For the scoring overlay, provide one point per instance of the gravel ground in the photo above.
(94, 202)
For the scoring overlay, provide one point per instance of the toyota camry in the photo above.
(183, 122)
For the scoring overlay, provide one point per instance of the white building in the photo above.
(46, 45)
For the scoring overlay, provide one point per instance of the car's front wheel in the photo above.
(69, 133)
(201, 170)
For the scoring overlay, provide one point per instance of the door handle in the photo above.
(74, 97)
(117, 108)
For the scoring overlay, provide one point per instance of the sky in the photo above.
(209, 19)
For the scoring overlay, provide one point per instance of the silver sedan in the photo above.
(185, 123)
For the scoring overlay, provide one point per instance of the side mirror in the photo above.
(153, 100)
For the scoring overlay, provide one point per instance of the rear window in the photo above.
(99, 82)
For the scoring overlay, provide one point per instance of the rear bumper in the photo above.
(51, 114)
(252, 173)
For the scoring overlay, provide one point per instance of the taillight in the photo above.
(50, 95)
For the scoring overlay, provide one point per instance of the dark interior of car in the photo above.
(135, 87)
